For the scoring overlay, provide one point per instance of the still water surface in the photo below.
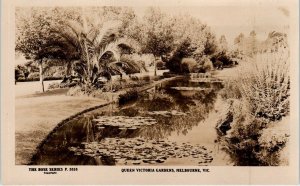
(179, 131)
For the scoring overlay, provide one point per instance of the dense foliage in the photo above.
(258, 103)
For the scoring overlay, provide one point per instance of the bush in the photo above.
(218, 64)
(54, 85)
(49, 78)
(18, 74)
(133, 78)
(188, 65)
(160, 65)
(207, 66)
(272, 141)
(222, 59)
(120, 85)
(55, 71)
(35, 76)
(146, 78)
(130, 95)
(204, 65)
(258, 101)
(75, 91)
(156, 78)
(168, 74)
(267, 88)
(184, 50)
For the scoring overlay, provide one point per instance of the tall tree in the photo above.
(252, 48)
(239, 39)
(33, 35)
(158, 38)
(223, 44)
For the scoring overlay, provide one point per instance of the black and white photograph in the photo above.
(153, 86)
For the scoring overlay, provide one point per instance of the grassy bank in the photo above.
(37, 114)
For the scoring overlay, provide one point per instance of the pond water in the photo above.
(166, 125)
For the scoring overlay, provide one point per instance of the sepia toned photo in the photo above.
(153, 87)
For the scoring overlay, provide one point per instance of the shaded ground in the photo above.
(37, 114)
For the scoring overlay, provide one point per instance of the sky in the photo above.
(232, 20)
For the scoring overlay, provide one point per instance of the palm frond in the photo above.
(110, 47)
(103, 36)
(129, 42)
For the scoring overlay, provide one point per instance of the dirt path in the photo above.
(37, 114)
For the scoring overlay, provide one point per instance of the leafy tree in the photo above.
(223, 44)
(192, 39)
(252, 43)
(210, 45)
(157, 38)
(239, 43)
(33, 35)
(183, 51)
(239, 39)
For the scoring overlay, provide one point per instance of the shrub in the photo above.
(75, 91)
(18, 74)
(133, 78)
(168, 74)
(35, 76)
(146, 78)
(112, 86)
(125, 83)
(54, 85)
(204, 65)
(49, 78)
(188, 65)
(55, 71)
(128, 96)
(267, 88)
(218, 64)
(258, 101)
(21, 79)
(184, 50)
(160, 65)
(272, 141)
(156, 78)
(222, 57)
(68, 81)
(207, 66)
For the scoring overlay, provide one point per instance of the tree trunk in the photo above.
(69, 68)
(41, 75)
(155, 68)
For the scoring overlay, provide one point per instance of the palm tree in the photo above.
(86, 45)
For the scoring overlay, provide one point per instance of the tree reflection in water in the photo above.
(194, 103)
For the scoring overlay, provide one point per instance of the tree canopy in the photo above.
(92, 39)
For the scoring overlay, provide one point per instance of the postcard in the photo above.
(150, 92)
